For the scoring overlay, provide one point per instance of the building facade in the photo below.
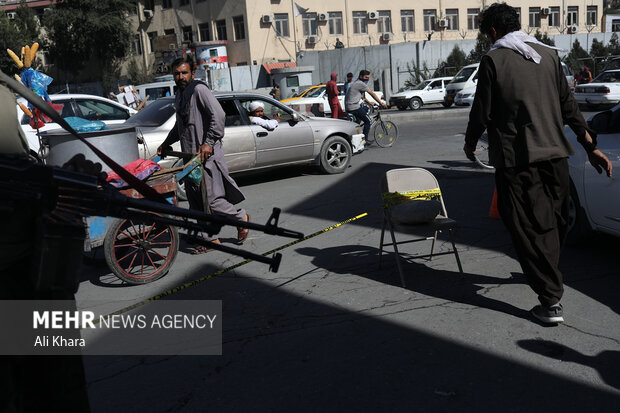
(265, 31)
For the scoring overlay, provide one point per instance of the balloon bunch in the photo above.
(34, 80)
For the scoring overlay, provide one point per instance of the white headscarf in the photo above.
(516, 41)
(255, 105)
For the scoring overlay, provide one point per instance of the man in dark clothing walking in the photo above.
(523, 100)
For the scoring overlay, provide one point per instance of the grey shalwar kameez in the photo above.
(200, 120)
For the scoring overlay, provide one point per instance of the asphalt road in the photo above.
(332, 332)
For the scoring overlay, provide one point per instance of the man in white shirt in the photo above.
(257, 116)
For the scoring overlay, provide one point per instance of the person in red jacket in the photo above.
(332, 97)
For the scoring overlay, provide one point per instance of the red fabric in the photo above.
(39, 119)
(332, 97)
(140, 168)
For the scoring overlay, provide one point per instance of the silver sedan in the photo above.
(298, 139)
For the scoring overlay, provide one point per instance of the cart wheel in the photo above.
(139, 253)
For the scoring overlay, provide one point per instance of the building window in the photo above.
(137, 45)
(281, 23)
(430, 19)
(166, 4)
(384, 21)
(205, 32)
(188, 36)
(572, 17)
(452, 16)
(220, 29)
(239, 27)
(152, 36)
(534, 16)
(407, 21)
(334, 21)
(615, 25)
(592, 15)
(149, 4)
(554, 17)
(472, 19)
(183, 2)
(308, 21)
(360, 24)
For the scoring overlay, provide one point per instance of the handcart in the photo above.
(139, 252)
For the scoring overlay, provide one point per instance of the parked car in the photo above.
(315, 102)
(466, 77)
(595, 199)
(298, 139)
(156, 90)
(603, 90)
(303, 91)
(426, 92)
(465, 97)
(570, 78)
(89, 107)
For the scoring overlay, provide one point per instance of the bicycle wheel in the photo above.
(386, 133)
(482, 152)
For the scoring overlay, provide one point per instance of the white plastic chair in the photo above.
(411, 180)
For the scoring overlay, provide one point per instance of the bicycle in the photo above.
(482, 152)
(384, 132)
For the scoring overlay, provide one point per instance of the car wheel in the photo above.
(415, 103)
(578, 226)
(335, 155)
(446, 104)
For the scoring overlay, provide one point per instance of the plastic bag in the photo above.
(83, 125)
(196, 174)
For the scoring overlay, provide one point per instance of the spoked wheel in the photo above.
(139, 253)
(482, 152)
(386, 133)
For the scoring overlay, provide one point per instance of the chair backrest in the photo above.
(410, 179)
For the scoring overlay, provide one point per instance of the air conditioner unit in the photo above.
(148, 13)
(10, 15)
(443, 23)
(313, 39)
(322, 17)
(386, 37)
(267, 18)
(573, 28)
(373, 15)
(545, 11)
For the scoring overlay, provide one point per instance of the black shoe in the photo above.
(548, 315)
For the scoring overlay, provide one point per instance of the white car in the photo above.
(89, 107)
(426, 92)
(603, 90)
(595, 199)
(315, 102)
(465, 97)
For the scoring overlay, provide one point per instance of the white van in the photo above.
(156, 90)
(467, 77)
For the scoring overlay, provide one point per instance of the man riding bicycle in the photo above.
(353, 97)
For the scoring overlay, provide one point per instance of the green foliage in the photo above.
(613, 47)
(544, 38)
(80, 30)
(416, 75)
(599, 52)
(452, 65)
(17, 33)
(138, 73)
(576, 59)
(483, 44)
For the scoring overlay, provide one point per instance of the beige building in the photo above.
(264, 31)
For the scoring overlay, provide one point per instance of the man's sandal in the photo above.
(242, 233)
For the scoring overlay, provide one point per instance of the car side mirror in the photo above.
(296, 117)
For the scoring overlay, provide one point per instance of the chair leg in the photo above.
(381, 242)
(456, 253)
(433, 246)
(397, 256)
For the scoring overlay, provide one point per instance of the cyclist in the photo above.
(352, 100)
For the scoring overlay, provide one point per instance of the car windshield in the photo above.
(607, 77)
(316, 92)
(463, 75)
(422, 85)
(155, 114)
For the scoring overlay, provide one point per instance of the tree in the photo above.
(613, 47)
(577, 58)
(483, 44)
(543, 38)
(453, 63)
(17, 33)
(138, 73)
(82, 30)
(599, 52)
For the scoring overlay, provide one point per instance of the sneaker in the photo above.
(549, 315)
